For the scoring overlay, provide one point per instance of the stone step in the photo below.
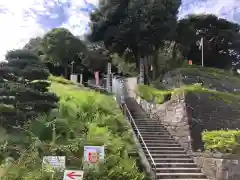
(176, 165)
(159, 140)
(180, 175)
(151, 133)
(168, 155)
(162, 137)
(152, 130)
(183, 179)
(163, 148)
(167, 151)
(172, 160)
(150, 144)
(178, 170)
(148, 122)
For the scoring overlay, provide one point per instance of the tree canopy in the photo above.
(220, 37)
(60, 47)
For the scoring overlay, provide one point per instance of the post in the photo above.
(202, 51)
(81, 79)
(109, 77)
(72, 63)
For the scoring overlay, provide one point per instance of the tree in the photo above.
(60, 47)
(139, 26)
(23, 88)
(221, 40)
(33, 45)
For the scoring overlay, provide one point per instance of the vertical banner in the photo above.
(96, 73)
(93, 155)
(189, 62)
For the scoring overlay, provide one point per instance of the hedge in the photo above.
(222, 141)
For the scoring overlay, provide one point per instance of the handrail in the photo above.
(140, 136)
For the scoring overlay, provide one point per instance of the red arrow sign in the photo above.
(72, 175)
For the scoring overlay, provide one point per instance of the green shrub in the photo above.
(60, 80)
(152, 94)
(222, 141)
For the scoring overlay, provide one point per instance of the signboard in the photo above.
(51, 163)
(73, 175)
(93, 155)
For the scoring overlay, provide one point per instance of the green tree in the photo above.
(139, 26)
(221, 40)
(33, 45)
(23, 89)
(60, 47)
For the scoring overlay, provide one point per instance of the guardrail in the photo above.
(127, 113)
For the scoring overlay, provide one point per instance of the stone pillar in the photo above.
(74, 78)
(81, 78)
(109, 77)
(141, 74)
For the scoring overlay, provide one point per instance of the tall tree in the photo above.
(23, 89)
(139, 26)
(60, 47)
(219, 40)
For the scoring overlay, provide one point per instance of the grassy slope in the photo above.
(218, 84)
(79, 110)
(213, 78)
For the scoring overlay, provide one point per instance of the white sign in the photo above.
(73, 175)
(53, 162)
(93, 154)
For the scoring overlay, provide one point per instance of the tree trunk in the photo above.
(155, 72)
(66, 71)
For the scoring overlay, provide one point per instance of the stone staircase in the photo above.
(171, 161)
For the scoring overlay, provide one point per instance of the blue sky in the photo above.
(21, 20)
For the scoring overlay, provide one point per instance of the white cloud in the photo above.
(222, 8)
(78, 21)
(17, 24)
(19, 21)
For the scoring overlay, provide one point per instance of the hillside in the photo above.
(84, 117)
(212, 78)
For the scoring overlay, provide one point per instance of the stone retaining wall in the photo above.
(219, 166)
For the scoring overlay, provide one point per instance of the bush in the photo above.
(60, 80)
(83, 118)
(222, 141)
(152, 94)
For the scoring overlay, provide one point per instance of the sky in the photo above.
(22, 20)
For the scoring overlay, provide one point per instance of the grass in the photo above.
(161, 96)
(211, 77)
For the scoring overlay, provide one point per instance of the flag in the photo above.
(201, 43)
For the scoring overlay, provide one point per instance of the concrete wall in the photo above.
(130, 86)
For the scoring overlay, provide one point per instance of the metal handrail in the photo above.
(140, 136)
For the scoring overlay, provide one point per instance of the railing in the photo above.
(139, 136)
